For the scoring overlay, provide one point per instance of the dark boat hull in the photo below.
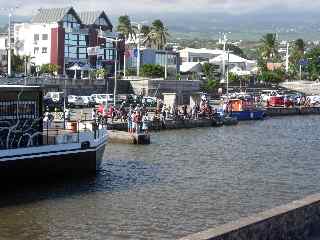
(67, 163)
(248, 115)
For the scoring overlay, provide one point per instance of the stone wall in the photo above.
(271, 112)
(296, 220)
(307, 87)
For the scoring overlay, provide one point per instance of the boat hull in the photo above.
(68, 163)
(248, 115)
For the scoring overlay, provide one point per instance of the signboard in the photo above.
(303, 62)
(93, 51)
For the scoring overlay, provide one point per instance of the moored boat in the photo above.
(30, 147)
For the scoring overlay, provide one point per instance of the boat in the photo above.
(30, 146)
(244, 109)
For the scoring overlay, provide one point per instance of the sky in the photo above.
(131, 7)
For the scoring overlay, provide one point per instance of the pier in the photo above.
(277, 111)
(296, 220)
(128, 138)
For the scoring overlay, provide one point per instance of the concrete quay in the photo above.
(128, 138)
(278, 111)
(169, 124)
(296, 220)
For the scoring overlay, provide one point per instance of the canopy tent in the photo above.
(239, 72)
(232, 59)
(191, 67)
(76, 67)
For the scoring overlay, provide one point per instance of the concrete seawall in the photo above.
(169, 124)
(296, 220)
(272, 112)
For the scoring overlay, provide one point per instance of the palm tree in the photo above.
(269, 48)
(158, 34)
(125, 27)
(145, 31)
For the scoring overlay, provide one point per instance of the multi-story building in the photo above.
(62, 36)
(169, 59)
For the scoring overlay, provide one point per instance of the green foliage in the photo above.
(210, 70)
(131, 72)
(158, 34)
(234, 49)
(268, 51)
(101, 73)
(313, 66)
(233, 77)
(152, 70)
(49, 68)
(210, 85)
(275, 76)
(17, 63)
(125, 27)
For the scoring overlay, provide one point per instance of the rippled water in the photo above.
(185, 182)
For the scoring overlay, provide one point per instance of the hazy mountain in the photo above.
(251, 26)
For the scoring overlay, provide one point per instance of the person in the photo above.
(145, 121)
(129, 121)
(134, 123)
(111, 112)
(67, 114)
(93, 114)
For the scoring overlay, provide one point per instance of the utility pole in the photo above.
(287, 58)
(115, 73)
(223, 59)
(138, 50)
(9, 43)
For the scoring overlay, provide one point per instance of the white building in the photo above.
(62, 36)
(198, 55)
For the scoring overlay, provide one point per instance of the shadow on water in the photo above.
(114, 176)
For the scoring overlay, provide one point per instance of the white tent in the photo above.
(232, 59)
(191, 67)
(238, 71)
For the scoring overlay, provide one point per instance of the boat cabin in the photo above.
(238, 105)
(20, 116)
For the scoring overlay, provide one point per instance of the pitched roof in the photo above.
(89, 18)
(50, 15)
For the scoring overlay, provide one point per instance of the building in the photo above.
(62, 36)
(3, 52)
(198, 55)
(169, 59)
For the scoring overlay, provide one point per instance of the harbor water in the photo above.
(184, 182)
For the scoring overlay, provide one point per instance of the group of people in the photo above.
(137, 120)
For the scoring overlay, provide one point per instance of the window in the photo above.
(36, 50)
(36, 37)
(44, 36)
(44, 50)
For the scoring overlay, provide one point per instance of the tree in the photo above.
(152, 70)
(158, 34)
(269, 49)
(49, 68)
(296, 55)
(17, 63)
(210, 71)
(313, 66)
(234, 49)
(125, 27)
(145, 30)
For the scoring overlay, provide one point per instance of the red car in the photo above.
(275, 101)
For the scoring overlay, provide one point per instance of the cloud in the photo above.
(117, 7)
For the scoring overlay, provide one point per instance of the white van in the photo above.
(102, 98)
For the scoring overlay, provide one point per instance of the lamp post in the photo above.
(10, 13)
(139, 25)
(116, 40)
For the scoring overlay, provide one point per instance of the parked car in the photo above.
(275, 101)
(102, 98)
(88, 101)
(266, 94)
(313, 100)
(75, 101)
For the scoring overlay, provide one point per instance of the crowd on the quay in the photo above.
(138, 118)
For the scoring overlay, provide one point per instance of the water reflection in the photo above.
(186, 181)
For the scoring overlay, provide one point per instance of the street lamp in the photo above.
(139, 24)
(10, 13)
(116, 40)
